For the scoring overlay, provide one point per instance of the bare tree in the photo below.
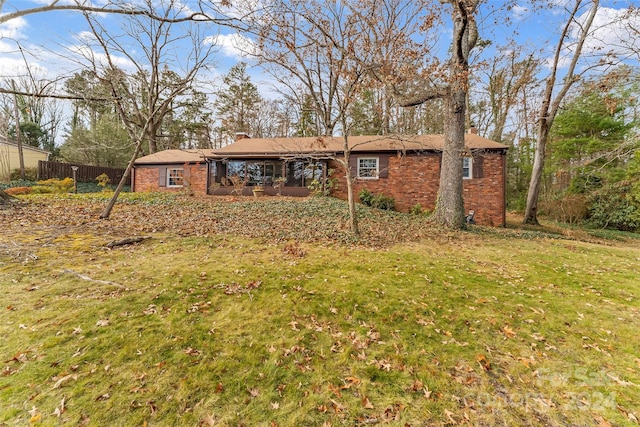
(508, 74)
(145, 97)
(551, 100)
(330, 49)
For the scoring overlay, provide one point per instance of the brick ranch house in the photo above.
(405, 168)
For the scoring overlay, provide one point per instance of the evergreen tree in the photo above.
(237, 102)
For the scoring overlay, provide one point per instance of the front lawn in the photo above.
(268, 312)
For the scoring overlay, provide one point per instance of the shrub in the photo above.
(54, 185)
(30, 174)
(366, 197)
(569, 208)
(318, 188)
(103, 180)
(416, 209)
(379, 201)
(383, 202)
(614, 207)
(17, 191)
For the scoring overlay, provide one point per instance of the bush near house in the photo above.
(379, 201)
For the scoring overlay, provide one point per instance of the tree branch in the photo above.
(78, 7)
(55, 96)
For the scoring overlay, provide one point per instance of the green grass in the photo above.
(304, 327)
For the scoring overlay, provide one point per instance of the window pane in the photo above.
(368, 167)
(466, 167)
(235, 168)
(174, 177)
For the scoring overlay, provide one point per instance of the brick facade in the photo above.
(148, 178)
(414, 179)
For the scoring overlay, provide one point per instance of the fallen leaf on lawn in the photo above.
(601, 421)
(335, 390)
(538, 337)
(105, 396)
(484, 362)
(417, 385)
(275, 405)
(19, 357)
(527, 361)
(102, 322)
(192, 351)
(366, 403)
(449, 415)
(208, 420)
(337, 407)
(349, 381)
(64, 379)
(508, 332)
(60, 409)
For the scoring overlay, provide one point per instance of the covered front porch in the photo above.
(286, 177)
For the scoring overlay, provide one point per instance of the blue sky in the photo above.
(46, 38)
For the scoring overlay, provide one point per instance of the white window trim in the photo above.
(377, 175)
(470, 168)
(169, 170)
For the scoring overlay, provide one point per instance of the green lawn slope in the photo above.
(243, 312)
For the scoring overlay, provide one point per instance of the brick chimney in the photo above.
(473, 130)
(242, 135)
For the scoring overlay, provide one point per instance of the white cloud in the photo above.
(14, 29)
(100, 59)
(609, 34)
(233, 45)
(519, 12)
(610, 31)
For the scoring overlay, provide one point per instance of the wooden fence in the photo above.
(85, 173)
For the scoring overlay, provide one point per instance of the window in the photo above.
(368, 167)
(467, 163)
(174, 177)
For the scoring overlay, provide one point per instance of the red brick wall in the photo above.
(414, 179)
(146, 178)
(486, 195)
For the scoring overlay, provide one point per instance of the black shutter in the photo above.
(477, 167)
(162, 177)
(383, 166)
(353, 165)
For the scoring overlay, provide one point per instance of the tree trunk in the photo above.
(351, 200)
(449, 204)
(18, 136)
(535, 184)
(550, 105)
(107, 210)
(6, 198)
